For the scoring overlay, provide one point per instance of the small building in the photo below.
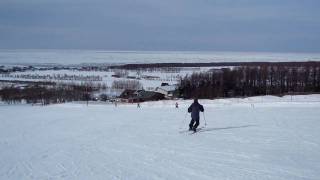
(149, 96)
(133, 96)
(127, 93)
(168, 91)
(164, 84)
(115, 76)
(131, 77)
(150, 77)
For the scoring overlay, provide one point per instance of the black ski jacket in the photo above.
(194, 109)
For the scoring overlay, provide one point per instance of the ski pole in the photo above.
(204, 118)
(183, 120)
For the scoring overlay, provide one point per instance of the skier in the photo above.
(177, 105)
(138, 105)
(194, 109)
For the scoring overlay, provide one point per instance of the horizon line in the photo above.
(151, 51)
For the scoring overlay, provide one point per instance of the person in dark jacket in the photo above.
(195, 109)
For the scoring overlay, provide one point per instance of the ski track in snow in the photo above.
(275, 138)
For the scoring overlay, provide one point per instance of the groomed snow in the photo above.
(247, 139)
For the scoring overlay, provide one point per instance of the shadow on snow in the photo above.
(224, 128)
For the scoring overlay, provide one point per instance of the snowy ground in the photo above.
(254, 138)
(106, 77)
(50, 56)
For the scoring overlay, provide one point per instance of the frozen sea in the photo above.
(123, 57)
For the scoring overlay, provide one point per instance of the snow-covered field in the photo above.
(254, 138)
(122, 57)
(106, 77)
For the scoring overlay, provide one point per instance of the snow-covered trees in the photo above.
(275, 79)
(48, 94)
(127, 84)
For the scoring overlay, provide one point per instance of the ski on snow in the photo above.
(191, 132)
(194, 132)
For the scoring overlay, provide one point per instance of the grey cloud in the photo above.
(265, 25)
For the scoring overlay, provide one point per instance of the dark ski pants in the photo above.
(194, 123)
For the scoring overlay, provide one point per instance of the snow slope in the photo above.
(253, 138)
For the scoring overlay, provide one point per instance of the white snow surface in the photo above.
(107, 78)
(50, 56)
(261, 138)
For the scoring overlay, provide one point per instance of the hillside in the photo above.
(254, 138)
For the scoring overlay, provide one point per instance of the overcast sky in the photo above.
(208, 25)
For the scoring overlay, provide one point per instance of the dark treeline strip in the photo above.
(46, 95)
(214, 64)
(28, 82)
(267, 79)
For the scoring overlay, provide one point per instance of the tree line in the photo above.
(268, 79)
(127, 84)
(177, 66)
(44, 95)
(60, 77)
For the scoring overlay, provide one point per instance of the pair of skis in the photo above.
(190, 132)
(199, 129)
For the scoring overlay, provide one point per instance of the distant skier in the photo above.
(177, 105)
(194, 109)
(138, 105)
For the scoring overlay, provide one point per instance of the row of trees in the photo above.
(65, 77)
(47, 94)
(273, 79)
(127, 84)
